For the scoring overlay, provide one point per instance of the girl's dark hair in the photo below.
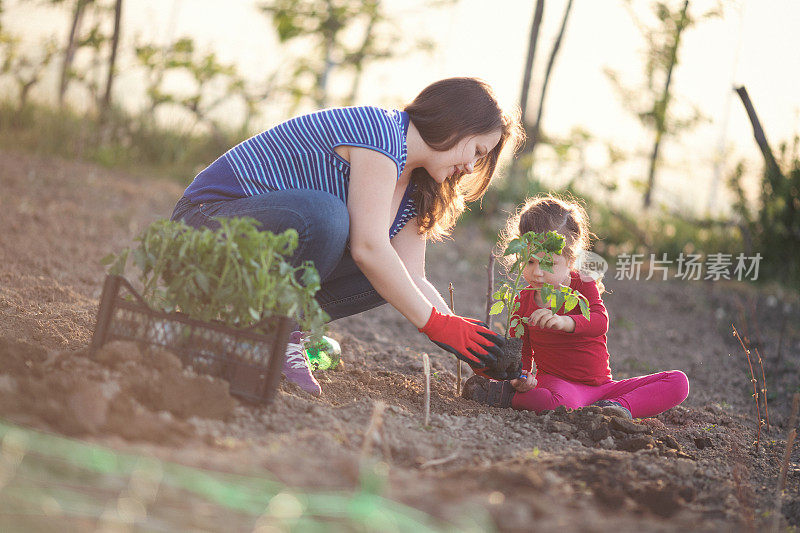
(544, 213)
(444, 113)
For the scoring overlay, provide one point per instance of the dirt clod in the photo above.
(628, 426)
(703, 442)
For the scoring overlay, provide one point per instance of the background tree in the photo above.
(772, 225)
(533, 127)
(212, 83)
(70, 47)
(527, 74)
(112, 60)
(25, 69)
(328, 28)
(652, 102)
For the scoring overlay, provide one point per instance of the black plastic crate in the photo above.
(251, 362)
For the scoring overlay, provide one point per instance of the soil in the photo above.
(694, 467)
(511, 361)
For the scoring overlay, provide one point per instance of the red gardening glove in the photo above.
(468, 339)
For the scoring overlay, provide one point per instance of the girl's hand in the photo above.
(524, 384)
(546, 319)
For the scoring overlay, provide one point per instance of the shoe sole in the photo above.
(620, 412)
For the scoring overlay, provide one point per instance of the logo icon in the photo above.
(591, 266)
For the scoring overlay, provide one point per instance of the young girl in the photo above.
(570, 351)
(365, 188)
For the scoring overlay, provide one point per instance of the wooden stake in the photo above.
(458, 368)
(489, 287)
(373, 429)
(426, 365)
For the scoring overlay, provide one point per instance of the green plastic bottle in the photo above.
(324, 355)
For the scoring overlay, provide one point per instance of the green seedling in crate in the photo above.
(237, 275)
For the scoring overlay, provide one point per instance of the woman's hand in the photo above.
(466, 338)
(524, 383)
(546, 319)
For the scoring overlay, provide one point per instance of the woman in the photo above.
(365, 188)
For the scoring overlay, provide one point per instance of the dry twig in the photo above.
(756, 332)
(755, 385)
(763, 388)
(437, 462)
(785, 463)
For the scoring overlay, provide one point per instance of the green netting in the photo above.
(49, 481)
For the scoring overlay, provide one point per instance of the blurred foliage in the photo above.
(24, 68)
(121, 141)
(619, 228)
(772, 228)
(341, 38)
(653, 101)
(211, 83)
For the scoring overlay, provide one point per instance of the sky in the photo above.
(755, 44)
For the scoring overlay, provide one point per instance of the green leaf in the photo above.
(554, 242)
(584, 304)
(497, 308)
(571, 302)
(202, 281)
(519, 330)
(119, 262)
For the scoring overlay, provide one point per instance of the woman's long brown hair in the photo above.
(444, 113)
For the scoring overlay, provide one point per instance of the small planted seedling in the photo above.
(541, 246)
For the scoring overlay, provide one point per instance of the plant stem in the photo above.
(754, 382)
(489, 286)
(763, 387)
(510, 300)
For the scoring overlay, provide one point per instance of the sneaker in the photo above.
(488, 391)
(613, 409)
(296, 367)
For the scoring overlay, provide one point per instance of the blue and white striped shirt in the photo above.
(299, 154)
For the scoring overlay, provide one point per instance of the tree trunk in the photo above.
(69, 50)
(553, 53)
(532, 41)
(660, 108)
(358, 65)
(112, 60)
(322, 80)
(758, 131)
(526, 80)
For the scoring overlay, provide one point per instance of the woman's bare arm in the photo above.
(373, 177)
(410, 246)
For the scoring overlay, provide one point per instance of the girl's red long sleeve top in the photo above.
(580, 356)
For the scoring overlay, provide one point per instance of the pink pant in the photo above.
(643, 396)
